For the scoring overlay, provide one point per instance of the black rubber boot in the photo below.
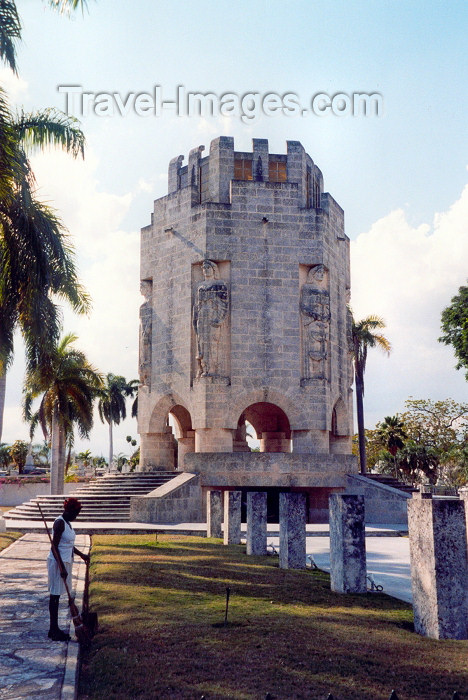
(56, 634)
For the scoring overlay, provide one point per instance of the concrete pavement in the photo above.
(32, 666)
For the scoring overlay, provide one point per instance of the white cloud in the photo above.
(15, 87)
(408, 275)
(108, 268)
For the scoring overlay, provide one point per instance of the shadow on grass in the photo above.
(162, 634)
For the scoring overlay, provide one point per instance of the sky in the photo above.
(401, 176)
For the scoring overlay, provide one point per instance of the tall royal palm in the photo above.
(68, 385)
(36, 256)
(365, 337)
(112, 403)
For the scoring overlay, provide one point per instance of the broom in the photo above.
(81, 632)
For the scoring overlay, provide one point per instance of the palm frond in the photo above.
(50, 127)
(10, 32)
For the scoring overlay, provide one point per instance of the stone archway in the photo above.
(165, 442)
(184, 433)
(339, 430)
(271, 425)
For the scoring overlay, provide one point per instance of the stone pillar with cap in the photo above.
(439, 566)
(232, 517)
(292, 522)
(347, 544)
(257, 522)
(214, 513)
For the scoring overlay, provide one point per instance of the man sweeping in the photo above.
(63, 542)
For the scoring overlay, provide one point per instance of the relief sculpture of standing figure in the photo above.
(208, 315)
(315, 311)
(146, 331)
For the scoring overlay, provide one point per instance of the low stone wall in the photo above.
(15, 494)
(236, 469)
(178, 500)
(383, 504)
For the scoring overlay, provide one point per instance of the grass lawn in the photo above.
(6, 538)
(161, 609)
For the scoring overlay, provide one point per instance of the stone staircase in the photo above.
(391, 481)
(105, 499)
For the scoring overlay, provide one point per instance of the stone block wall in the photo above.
(246, 270)
(176, 501)
(384, 504)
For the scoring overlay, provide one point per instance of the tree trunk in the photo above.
(2, 400)
(360, 422)
(57, 456)
(111, 445)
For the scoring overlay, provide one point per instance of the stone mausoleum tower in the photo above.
(246, 280)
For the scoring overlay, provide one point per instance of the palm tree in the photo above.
(391, 433)
(36, 256)
(68, 385)
(10, 26)
(364, 337)
(111, 405)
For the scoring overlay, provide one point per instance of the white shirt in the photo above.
(67, 542)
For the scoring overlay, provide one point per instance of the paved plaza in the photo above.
(31, 666)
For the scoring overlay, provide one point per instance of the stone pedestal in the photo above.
(292, 522)
(347, 544)
(232, 517)
(257, 523)
(2, 524)
(214, 513)
(439, 566)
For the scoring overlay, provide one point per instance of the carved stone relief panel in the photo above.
(315, 323)
(211, 320)
(146, 333)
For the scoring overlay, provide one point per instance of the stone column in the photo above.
(463, 494)
(274, 442)
(439, 566)
(256, 522)
(232, 517)
(214, 513)
(2, 524)
(185, 445)
(292, 522)
(213, 440)
(157, 451)
(347, 544)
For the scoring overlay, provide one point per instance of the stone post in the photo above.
(347, 544)
(292, 521)
(214, 513)
(439, 566)
(256, 522)
(2, 524)
(232, 517)
(463, 494)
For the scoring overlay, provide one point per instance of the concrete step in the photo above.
(106, 498)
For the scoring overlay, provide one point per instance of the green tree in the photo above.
(68, 384)
(455, 327)
(363, 338)
(18, 453)
(392, 436)
(112, 403)
(5, 457)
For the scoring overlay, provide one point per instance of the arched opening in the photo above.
(339, 432)
(270, 424)
(179, 423)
